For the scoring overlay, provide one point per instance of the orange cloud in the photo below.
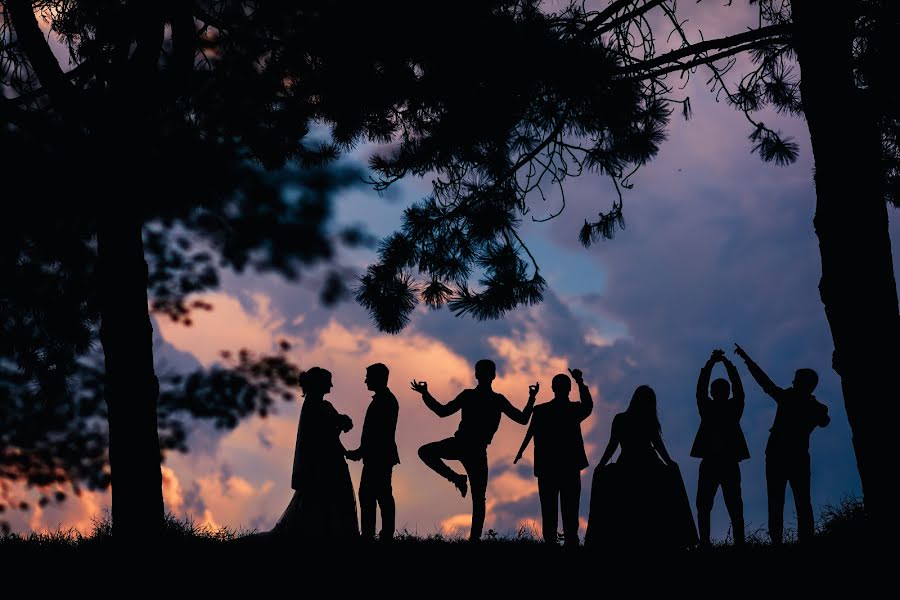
(227, 327)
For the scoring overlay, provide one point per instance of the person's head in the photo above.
(485, 371)
(805, 381)
(376, 377)
(643, 407)
(720, 389)
(561, 385)
(315, 382)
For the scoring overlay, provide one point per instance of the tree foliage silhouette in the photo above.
(144, 145)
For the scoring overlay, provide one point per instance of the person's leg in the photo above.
(548, 492)
(367, 499)
(731, 490)
(432, 455)
(475, 463)
(707, 484)
(570, 499)
(800, 484)
(386, 503)
(776, 482)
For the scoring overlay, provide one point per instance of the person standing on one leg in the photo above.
(481, 409)
(721, 445)
(559, 455)
(378, 451)
(787, 452)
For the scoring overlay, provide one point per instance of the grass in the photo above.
(839, 552)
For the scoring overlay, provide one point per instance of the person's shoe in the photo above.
(462, 485)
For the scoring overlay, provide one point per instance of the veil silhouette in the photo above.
(323, 508)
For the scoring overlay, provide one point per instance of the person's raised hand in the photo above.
(740, 351)
(420, 386)
(534, 389)
(577, 375)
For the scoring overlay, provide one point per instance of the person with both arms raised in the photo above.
(721, 445)
(481, 409)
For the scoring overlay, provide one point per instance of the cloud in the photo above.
(229, 326)
(171, 490)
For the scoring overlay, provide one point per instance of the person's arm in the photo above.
(661, 449)
(528, 435)
(521, 416)
(611, 446)
(586, 402)
(737, 388)
(759, 375)
(822, 419)
(441, 410)
(703, 384)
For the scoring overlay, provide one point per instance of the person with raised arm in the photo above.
(787, 451)
(481, 409)
(559, 455)
(721, 446)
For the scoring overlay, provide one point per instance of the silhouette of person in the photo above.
(378, 451)
(559, 455)
(481, 410)
(640, 499)
(787, 451)
(720, 444)
(323, 508)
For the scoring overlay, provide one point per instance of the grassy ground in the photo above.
(839, 556)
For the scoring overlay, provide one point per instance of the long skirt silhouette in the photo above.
(639, 505)
(325, 511)
(323, 508)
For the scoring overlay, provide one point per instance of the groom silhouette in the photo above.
(378, 451)
(481, 409)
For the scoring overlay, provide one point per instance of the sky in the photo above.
(718, 248)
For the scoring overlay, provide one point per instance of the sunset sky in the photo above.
(719, 248)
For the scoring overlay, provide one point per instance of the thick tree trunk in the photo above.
(857, 286)
(131, 388)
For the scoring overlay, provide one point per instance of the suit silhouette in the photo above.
(559, 455)
(787, 451)
(721, 445)
(378, 451)
(481, 409)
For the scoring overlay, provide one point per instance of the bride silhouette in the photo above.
(639, 501)
(323, 508)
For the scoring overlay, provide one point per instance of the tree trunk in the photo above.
(857, 286)
(131, 387)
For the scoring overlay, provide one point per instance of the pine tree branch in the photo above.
(762, 34)
(41, 58)
(603, 15)
(636, 13)
(705, 60)
(71, 74)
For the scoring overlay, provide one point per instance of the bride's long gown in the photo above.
(638, 501)
(323, 507)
